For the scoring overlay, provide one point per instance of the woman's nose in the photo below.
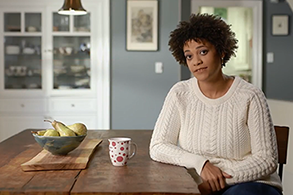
(197, 62)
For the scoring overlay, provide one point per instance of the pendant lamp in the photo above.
(72, 7)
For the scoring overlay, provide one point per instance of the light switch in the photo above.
(159, 67)
(270, 57)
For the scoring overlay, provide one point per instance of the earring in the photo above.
(222, 62)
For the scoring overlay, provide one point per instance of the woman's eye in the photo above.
(203, 52)
(188, 57)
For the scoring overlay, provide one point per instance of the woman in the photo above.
(219, 125)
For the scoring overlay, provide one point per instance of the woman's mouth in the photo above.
(200, 69)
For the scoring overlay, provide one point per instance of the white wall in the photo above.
(282, 114)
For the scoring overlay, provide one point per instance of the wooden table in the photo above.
(140, 176)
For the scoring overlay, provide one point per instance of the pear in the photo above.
(61, 128)
(40, 133)
(51, 132)
(78, 128)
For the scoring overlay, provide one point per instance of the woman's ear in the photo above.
(223, 55)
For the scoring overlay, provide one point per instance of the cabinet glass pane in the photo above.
(60, 22)
(12, 22)
(33, 22)
(71, 63)
(22, 61)
(82, 23)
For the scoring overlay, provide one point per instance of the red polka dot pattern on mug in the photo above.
(119, 150)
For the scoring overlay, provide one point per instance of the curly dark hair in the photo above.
(201, 27)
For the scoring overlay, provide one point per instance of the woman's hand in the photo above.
(205, 188)
(214, 177)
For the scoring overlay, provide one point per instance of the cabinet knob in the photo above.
(22, 105)
(72, 105)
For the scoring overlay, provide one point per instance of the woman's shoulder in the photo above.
(181, 90)
(182, 86)
(248, 88)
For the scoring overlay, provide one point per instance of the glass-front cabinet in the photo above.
(71, 38)
(53, 66)
(71, 52)
(71, 62)
(22, 45)
(46, 52)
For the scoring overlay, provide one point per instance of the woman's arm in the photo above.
(163, 146)
(263, 159)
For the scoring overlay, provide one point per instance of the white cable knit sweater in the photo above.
(234, 132)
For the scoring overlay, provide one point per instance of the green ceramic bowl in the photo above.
(59, 145)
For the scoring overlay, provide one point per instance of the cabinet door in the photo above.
(71, 39)
(22, 57)
(11, 125)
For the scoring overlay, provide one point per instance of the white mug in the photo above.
(121, 149)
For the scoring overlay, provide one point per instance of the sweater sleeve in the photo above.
(264, 155)
(164, 143)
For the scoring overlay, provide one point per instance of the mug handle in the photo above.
(133, 148)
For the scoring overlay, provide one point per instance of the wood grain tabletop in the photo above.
(140, 176)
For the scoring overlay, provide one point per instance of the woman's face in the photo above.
(203, 60)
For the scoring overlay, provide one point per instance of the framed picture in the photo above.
(280, 24)
(142, 25)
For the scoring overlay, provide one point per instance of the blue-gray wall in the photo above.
(185, 13)
(137, 92)
(278, 76)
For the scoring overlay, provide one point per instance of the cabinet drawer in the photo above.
(22, 105)
(17, 124)
(72, 105)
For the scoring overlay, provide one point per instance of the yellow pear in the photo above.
(51, 132)
(40, 133)
(61, 128)
(78, 128)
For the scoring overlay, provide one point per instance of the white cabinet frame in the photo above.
(100, 55)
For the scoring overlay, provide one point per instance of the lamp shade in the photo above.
(72, 7)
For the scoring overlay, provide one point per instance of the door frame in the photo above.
(257, 42)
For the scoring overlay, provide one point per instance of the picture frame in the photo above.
(280, 24)
(142, 25)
